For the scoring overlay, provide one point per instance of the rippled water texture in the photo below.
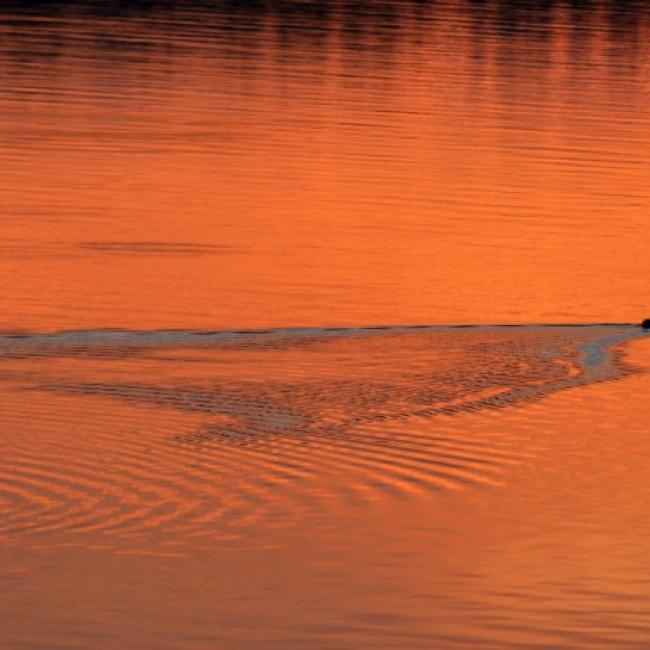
(195, 433)
(315, 324)
(274, 164)
(448, 487)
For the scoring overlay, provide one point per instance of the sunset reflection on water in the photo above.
(259, 386)
(332, 165)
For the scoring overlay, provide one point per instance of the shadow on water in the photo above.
(364, 36)
(359, 22)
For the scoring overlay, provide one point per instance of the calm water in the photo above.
(247, 164)
(208, 209)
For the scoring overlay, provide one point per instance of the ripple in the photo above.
(199, 434)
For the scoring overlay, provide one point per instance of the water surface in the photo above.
(448, 487)
(278, 164)
(254, 392)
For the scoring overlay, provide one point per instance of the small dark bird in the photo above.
(646, 324)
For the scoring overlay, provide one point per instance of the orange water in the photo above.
(437, 487)
(323, 163)
(206, 209)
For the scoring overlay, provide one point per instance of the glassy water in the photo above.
(236, 410)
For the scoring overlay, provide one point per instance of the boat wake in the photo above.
(206, 433)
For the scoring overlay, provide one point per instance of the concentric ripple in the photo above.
(208, 433)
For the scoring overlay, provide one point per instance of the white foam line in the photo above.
(197, 338)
